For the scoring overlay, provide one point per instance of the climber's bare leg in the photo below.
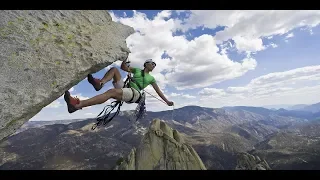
(101, 98)
(112, 73)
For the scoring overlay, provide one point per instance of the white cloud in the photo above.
(226, 46)
(212, 92)
(248, 44)
(183, 71)
(153, 37)
(288, 87)
(71, 90)
(113, 17)
(252, 23)
(164, 14)
(174, 94)
(289, 35)
(273, 45)
(115, 64)
(107, 68)
(182, 95)
(309, 73)
(188, 96)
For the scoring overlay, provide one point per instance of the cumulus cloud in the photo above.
(252, 24)
(193, 64)
(248, 44)
(198, 63)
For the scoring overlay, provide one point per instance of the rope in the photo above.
(155, 97)
(162, 102)
(172, 112)
(105, 118)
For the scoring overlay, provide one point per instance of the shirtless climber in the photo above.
(118, 92)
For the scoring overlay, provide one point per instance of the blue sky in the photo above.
(217, 58)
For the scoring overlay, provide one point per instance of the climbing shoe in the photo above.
(71, 102)
(96, 83)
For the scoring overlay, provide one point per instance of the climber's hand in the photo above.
(170, 103)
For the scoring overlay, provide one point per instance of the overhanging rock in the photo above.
(44, 53)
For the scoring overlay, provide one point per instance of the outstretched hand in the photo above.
(170, 103)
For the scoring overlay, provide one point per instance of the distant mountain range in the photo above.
(314, 108)
(282, 137)
(35, 124)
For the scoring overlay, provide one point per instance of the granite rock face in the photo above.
(247, 161)
(162, 148)
(45, 53)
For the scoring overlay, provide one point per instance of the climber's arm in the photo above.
(159, 92)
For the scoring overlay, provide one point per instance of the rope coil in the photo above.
(105, 118)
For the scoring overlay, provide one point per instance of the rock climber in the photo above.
(119, 93)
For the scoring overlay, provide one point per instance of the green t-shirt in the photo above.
(137, 76)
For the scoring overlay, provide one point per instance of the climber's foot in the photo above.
(96, 83)
(71, 102)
